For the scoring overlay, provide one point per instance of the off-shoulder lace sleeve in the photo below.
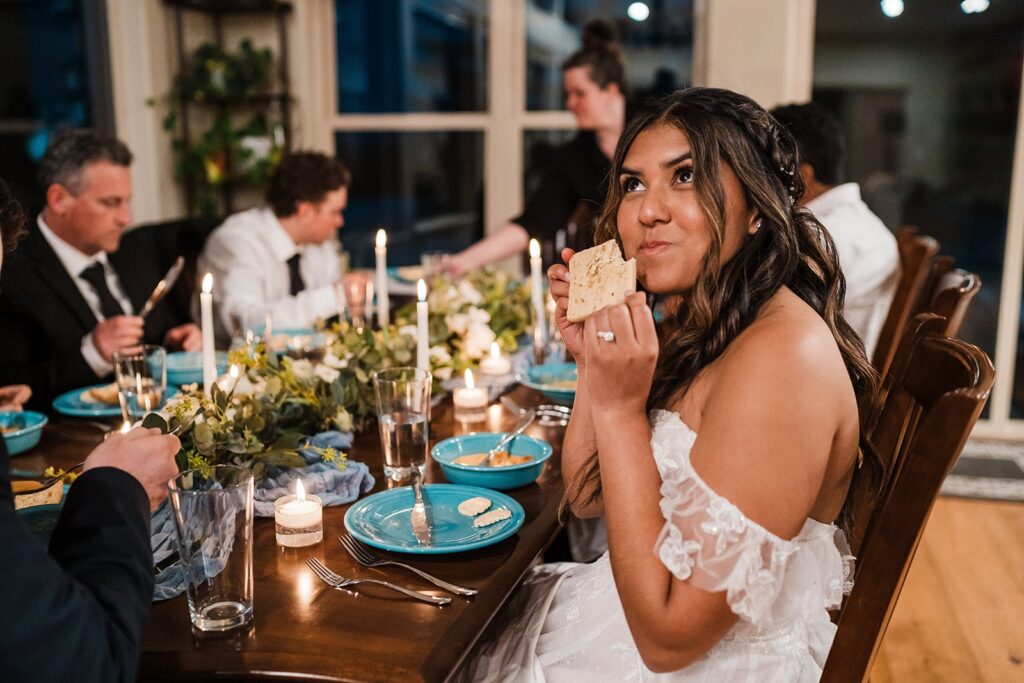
(707, 540)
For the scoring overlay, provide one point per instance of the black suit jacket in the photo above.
(76, 613)
(43, 316)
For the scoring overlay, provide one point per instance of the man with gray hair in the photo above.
(69, 294)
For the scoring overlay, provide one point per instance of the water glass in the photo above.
(141, 374)
(403, 413)
(213, 518)
(357, 297)
(432, 262)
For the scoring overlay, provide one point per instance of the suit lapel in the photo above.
(52, 272)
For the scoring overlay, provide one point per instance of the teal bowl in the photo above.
(546, 378)
(186, 367)
(499, 478)
(28, 427)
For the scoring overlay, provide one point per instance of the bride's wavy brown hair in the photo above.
(791, 249)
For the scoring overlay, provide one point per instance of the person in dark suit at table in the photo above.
(76, 610)
(594, 78)
(71, 291)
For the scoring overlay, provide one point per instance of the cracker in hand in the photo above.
(598, 277)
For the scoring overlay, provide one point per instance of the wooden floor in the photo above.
(960, 616)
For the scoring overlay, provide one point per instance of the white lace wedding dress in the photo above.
(567, 622)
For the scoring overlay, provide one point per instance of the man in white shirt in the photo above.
(867, 250)
(281, 260)
(71, 290)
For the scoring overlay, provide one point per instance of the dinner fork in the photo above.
(339, 581)
(365, 557)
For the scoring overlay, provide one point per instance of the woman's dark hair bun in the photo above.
(600, 34)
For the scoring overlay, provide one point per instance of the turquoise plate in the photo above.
(383, 520)
(542, 377)
(70, 403)
(186, 367)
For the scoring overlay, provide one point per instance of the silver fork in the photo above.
(365, 557)
(339, 581)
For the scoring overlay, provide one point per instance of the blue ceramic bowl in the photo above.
(544, 378)
(186, 367)
(499, 478)
(29, 427)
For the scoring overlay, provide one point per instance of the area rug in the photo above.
(993, 470)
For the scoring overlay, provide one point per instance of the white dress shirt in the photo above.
(75, 262)
(248, 257)
(868, 256)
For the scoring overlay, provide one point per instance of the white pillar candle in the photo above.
(537, 290)
(206, 317)
(422, 328)
(470, 401)
(381, 252)
(298, 519)
(495, 364)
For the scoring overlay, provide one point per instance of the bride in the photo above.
(720, 445)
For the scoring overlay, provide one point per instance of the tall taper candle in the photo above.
(381, 251)
(206, 317)
(537, 292)
(422, 328)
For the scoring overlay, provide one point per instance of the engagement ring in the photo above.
(604, 335)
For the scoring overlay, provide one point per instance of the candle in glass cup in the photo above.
(495, 364)
(206, 317)
(381, 252)
(422, 328)
(470, 401)
(298, 519)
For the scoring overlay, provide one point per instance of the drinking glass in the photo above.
(432, 262)
(213, 519)
(141, 374)
(357, 297)
(403, 412)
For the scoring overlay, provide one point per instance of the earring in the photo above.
(757, 226)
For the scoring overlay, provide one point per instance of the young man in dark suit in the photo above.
(75, 611)
(70, 294)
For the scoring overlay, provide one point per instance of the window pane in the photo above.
(929, 102)
(47, 82)
(411, 56)
(657, 49)
(426, 189)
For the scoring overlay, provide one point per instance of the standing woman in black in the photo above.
(595, 84)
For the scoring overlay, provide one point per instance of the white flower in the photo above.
(457, 323)
(440, 354)
(326, 373)
(408, 330)
(303, 370)
(478, 316)
(244, 387)
(342, 420)
(469, 293)
(332, 361)
(443, 373)
(478, 341)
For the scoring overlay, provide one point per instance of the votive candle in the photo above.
(470, 401)
(298, 519)
(495, 364)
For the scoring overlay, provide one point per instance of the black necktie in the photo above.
(295, 283)
(96, 277)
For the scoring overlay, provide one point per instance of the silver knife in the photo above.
(420, 525)
(163, 286)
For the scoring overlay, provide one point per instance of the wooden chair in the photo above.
(916, 255)
(944, 385)
(949, 294)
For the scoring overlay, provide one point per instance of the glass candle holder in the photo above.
(298, 522)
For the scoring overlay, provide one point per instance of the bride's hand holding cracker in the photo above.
(572, 333)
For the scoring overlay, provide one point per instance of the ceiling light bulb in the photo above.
(892, 8)
(638, 11)
(974, 6)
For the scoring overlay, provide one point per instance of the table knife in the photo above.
(164, 286)
(420, 525)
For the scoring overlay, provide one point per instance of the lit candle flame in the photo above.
(126, 427)
(469, 379)
(534, 248)
(421, 290)
(495, 350)
(300, 492)
(208, 283)
(382, 238)
(233, 371)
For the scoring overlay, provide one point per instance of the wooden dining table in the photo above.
(303, 629)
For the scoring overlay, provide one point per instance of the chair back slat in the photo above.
(941, 392)
(951, 296)
(916, 255)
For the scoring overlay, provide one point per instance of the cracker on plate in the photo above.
(107, 395)
(494, 516)
(598, 277)
(471, 507)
